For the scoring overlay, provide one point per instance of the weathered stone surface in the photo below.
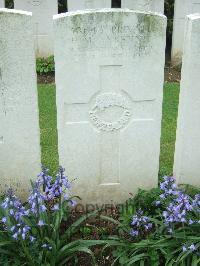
(19, 122)
(187, 155)
(109, 78)
(2, 3)
(43, 11)
(144, 5)
(181, 10)
(87, 4)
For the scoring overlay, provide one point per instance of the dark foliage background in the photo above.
(169, 12)
(9, 3)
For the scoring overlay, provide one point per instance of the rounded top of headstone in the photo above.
(195, 16)
(107, 10)
(14, 11)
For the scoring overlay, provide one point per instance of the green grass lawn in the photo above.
(48, 127)
(47, 106)
(168, 136)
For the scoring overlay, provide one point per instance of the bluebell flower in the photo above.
(72, 203)
(5, 203)
(140, 224)
(41, 223)
(178, 209)
(190, 221)
(192, 247)
(11, 211)
(55, 207)
(158, 202)
(4, 220)
(44, 189)
(12, 228)
(170, 230)
(196, 202)
(46, 246)
(44, 178)
(169, 187)
(15, 236)
(57, 188)
(42, 208)
(162, 196)
(134, 233)
(184, 248)
(36, 200)
(32, 239)
(20, 230)
(16, 210)
(65, 196)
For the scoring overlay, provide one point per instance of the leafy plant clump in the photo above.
(156, 227)
(45, 65)
(33, 234)
(167, 235)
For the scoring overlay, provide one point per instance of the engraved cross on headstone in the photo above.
(109, 111)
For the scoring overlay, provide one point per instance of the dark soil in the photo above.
(172, 74)
(46, 78)
(99, 229)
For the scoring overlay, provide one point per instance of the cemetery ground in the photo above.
(118, 206)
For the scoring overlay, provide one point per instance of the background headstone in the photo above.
(2, 3)
(182, 8)
(19, 122)
(187, 154)
(109, 78)
(144, 5)
(87, 4)
(43, 11)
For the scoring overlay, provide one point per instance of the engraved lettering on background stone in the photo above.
(35, 2)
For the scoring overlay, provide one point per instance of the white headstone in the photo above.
(187, 155)
(109, 78)
(74, 5)
(2, 3)
(19, 122)
(181, 10)
(144, 5)
(43, 11)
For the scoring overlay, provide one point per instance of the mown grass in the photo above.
(47, 107)
(169, 121)
(48, 126)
